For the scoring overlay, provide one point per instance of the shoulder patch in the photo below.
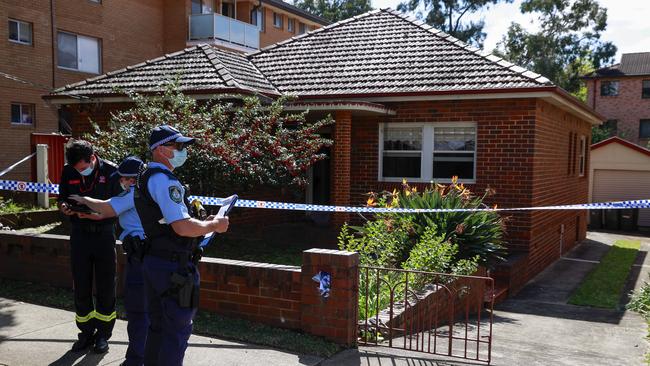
(175, 194)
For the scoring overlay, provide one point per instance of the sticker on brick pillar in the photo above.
(324, 281)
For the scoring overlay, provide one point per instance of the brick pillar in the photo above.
(340, 180)
(335, 317)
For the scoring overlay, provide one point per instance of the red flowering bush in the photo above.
(239, 144)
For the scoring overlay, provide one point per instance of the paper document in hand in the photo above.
(226, 205)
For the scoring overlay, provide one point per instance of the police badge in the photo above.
(175, 194)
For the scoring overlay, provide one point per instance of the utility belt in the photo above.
(134, 247)
(182, 287)
(167, 249)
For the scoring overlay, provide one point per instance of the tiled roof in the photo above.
(632, 64)
(197, 68)
(381, 52)
(376, 53)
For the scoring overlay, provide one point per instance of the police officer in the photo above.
(92, 244)
(171, 279)
(133, 240)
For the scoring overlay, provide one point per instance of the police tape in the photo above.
(272, 205)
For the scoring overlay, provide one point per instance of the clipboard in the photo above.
(227, 204)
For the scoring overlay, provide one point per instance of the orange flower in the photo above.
(454, 179)
(371, 201)
(495, 206)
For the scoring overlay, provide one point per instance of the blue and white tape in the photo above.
(272, 205)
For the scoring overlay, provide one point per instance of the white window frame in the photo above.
(279, 25)
(32, 109)
(582, 159)
(426, 161)
(99, 54)
(18, 23)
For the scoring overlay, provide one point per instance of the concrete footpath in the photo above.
(536, 327)
(32, 335)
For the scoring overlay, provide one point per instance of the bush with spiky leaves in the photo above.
(244, 144)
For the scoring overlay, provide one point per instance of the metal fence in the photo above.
(437, 313)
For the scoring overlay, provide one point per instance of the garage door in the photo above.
(619, 185)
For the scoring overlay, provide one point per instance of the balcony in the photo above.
(224, 30)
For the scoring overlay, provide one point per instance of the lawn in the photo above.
(604, 285)
(205, 323)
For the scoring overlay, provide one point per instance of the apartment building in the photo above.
(621, 93)
(46, 44)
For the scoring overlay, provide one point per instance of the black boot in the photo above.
(101, 345)
(84, 341)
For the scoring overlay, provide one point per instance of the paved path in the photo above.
(32, 335)
(538, 327)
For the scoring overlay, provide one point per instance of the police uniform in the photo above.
(133, 240)
(171, 279)
(92, 250)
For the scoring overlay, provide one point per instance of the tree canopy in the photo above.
(450, 16)
(334, 10)
(566, 44)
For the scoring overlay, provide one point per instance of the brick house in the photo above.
(621, 93)
(409, 102)
(48, 44)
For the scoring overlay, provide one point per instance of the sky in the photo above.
(627, 25)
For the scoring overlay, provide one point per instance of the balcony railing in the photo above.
(219, 27)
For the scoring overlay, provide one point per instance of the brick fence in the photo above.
(278, 295)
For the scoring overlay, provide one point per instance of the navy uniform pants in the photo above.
(136, 311)
(171, 325)
(92, 251)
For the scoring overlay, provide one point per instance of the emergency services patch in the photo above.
(175, 194)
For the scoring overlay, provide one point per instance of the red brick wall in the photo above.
(522, 153)
(628, 107)
(265, 293)
(281, 296)
(341, 165)
(505, 137)
(554, 184)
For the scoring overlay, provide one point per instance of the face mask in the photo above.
(125, 187)
(88, 171)
(179, 158)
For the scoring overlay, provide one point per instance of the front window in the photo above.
(277, 20)
(454, 152)
(22, 114)
(402, 152)
(301, 28)
(79, 53)
(20, 32)
(609, 88)
(428, 151)
(644, 129)
(645, 91)
(291, 25)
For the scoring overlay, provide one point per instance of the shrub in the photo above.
(447, 242)
(243, 144)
